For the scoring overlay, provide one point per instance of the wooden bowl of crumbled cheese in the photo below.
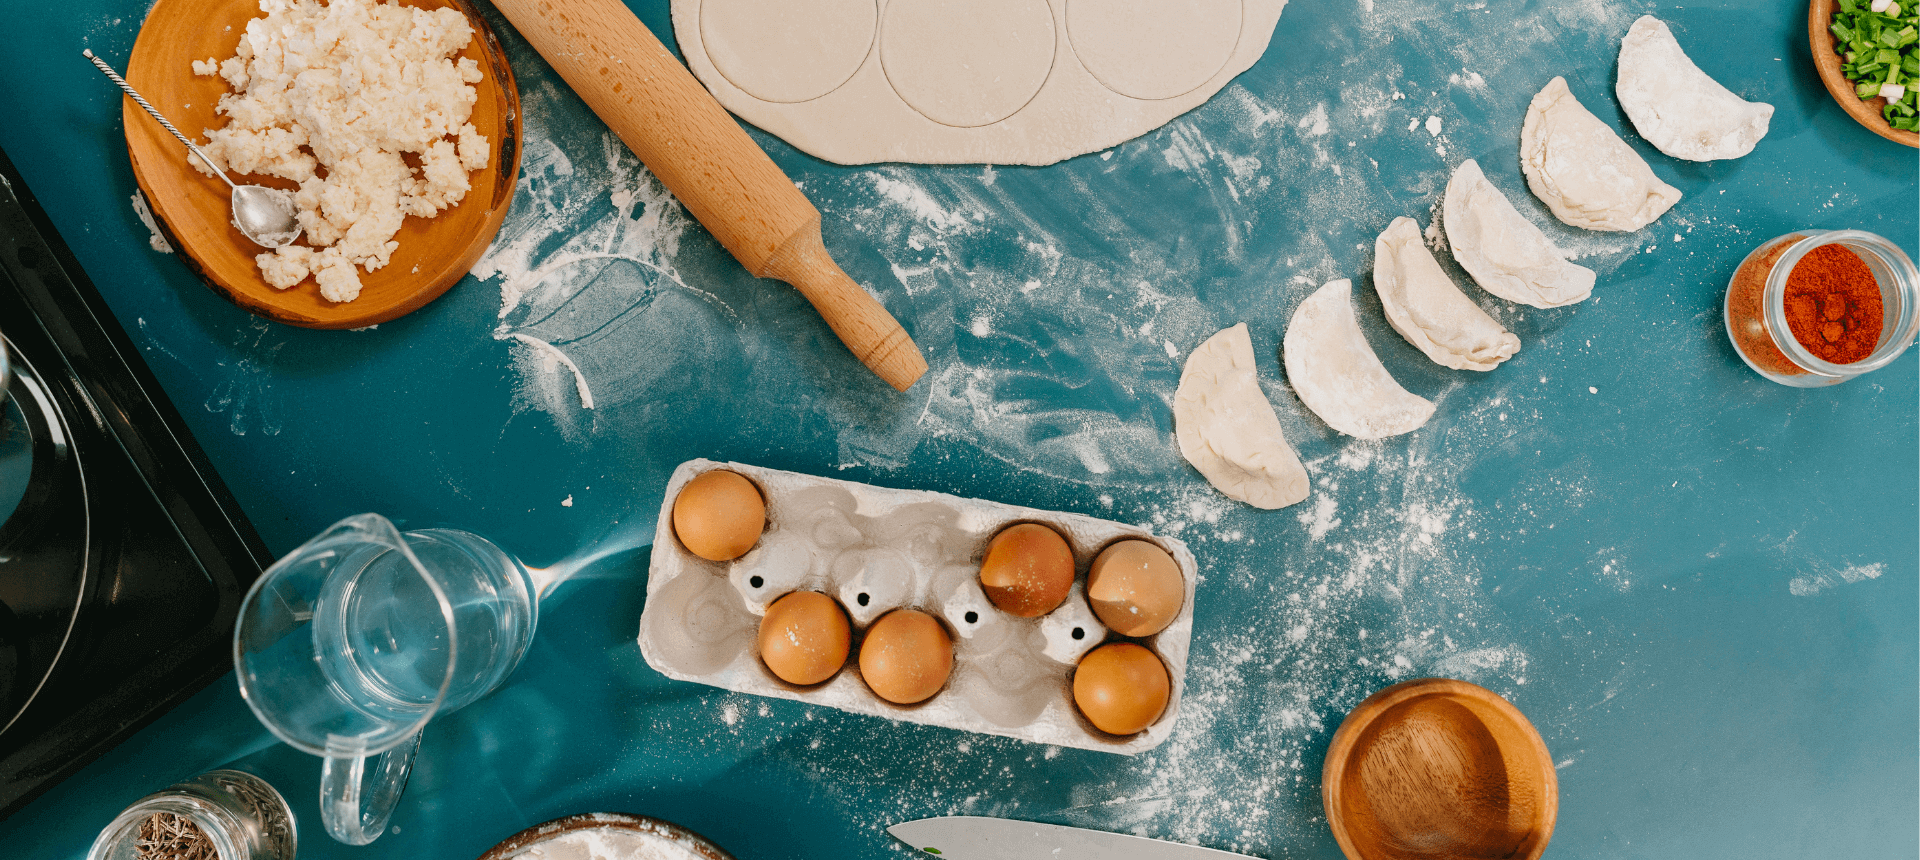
(396, 123)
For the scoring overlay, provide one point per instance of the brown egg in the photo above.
(1121, 688)
(804, 638)
(1136, 588)
(906, 656)
(1028, 570)
(719, 515)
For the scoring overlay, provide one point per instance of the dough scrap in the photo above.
(1584, 172)
(1425, 307)
(1337, 375)
(1227, 429)
(1504, 252)
(1676, 106)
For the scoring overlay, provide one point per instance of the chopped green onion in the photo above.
(1878, 49)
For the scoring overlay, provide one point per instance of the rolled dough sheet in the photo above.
(967, 81)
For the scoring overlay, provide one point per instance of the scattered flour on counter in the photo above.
(247, 395)
(552, 356)
(1469, 79)
(1613, 570)
(1813, 583)
(1389, 596)
(1321, 518)
(1315, 124)
(585, 264)
(156, 240)
(1435, 238)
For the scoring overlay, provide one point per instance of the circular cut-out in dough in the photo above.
(1153, 49)
(791, 51)
(967, 63)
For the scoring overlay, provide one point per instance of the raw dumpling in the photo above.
(1675, 106)
(1335, 372)
(1428, 310)
(1584, 172)
(1504, 252)
(1227, 428)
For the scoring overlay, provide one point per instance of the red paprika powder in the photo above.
(1832, 304)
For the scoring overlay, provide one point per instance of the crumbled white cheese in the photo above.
(287, 267)
(332, 97)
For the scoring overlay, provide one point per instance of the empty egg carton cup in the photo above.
(875, 550)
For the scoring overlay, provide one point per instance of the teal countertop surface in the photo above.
(1699, 585)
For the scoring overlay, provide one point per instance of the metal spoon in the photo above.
(264, 215)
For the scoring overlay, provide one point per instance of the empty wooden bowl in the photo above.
(1438, 768)
(1867, 112)
(192, 208)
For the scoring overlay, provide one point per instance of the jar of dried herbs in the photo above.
(1821, 307)
(218, 815)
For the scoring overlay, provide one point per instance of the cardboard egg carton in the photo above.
(875, 550)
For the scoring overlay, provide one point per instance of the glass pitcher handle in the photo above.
(348, 818)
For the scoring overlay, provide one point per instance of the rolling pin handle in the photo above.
(862, 323)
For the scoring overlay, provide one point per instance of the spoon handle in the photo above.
(151, 111)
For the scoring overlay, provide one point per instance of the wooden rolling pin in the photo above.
(697, 150)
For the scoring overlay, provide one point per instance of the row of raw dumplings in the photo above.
(1587, 176)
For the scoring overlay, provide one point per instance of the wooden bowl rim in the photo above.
(359, 313)
(1866, 112)
(668, 830)
(1388, 701)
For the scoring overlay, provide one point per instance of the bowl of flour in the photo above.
(606, 836)
(395, 122)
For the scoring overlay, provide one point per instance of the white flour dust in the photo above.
(247, 394)
(1811, 584)
(591, 304)
(1015, 326)
(1386, 593)
(553, 355)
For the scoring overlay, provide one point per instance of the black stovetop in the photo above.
(123, 564)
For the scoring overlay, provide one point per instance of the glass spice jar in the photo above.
(242, 817)
(1757, 317)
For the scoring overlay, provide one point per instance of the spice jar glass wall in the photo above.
(1818, 308)
(237, 814)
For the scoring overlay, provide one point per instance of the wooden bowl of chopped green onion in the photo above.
(1868, 53)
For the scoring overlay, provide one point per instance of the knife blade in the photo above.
(967, 837)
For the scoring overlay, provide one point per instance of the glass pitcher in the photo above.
(348, 647)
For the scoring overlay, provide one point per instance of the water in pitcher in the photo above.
(381, 652)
